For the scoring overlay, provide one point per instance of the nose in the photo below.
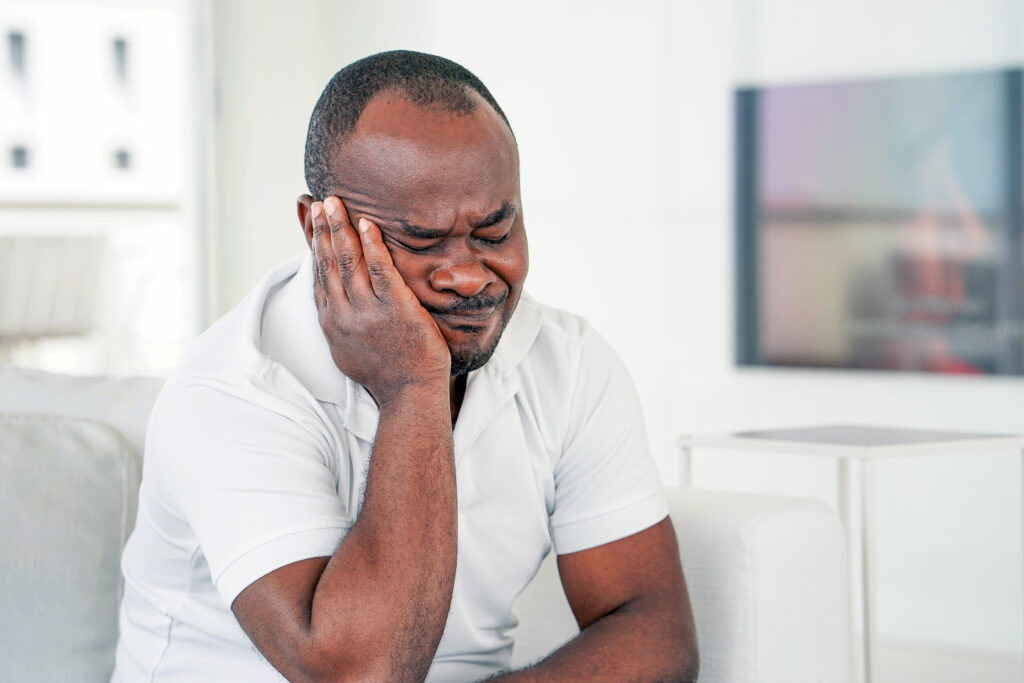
(466, 276)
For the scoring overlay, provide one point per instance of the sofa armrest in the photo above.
(768, 581)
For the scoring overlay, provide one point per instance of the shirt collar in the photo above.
(518, 337)
(290, 334)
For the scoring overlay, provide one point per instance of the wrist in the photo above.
(421, 394)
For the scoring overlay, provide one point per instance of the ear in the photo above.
(304, 207)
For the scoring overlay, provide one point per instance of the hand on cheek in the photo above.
(378, 332)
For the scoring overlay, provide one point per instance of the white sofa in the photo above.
(767, 575)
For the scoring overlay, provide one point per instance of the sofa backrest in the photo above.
(122, 402)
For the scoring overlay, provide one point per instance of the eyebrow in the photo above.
(506, 210)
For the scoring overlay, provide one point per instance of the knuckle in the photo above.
(379, 273)
(346, 262)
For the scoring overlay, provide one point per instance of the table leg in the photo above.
(846, 513)
(867, 511)
(856, 507)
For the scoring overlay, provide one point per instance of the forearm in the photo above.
(386, 591)
(638, 642)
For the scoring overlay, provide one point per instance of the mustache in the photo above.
(470, 304)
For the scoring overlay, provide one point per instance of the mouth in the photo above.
(468, 321)
(469, 315)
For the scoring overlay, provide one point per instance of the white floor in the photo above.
(913, 663)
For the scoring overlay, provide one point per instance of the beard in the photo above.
(466, 358)
(465, 362)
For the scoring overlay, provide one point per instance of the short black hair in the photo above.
(427, 80)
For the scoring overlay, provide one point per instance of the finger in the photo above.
(348, 251)
(379, 267)
(325, 263)
(319, 296)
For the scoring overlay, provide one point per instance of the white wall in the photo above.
(623, 114)
(268, 63)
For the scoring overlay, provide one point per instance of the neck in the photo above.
(456, 392)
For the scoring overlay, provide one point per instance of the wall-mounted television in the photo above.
(879, 224)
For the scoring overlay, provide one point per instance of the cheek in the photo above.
(414, 270)
(513, 265)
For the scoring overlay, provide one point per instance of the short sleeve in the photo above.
(250, 474)
(606, 484)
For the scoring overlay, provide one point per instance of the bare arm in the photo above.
(377, 608)
(629, 598)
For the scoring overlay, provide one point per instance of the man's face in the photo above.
(444, 189)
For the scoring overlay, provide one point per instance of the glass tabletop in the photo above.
(863, 435)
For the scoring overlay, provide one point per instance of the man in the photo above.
(353, 474)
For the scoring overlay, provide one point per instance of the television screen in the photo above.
(879, 224)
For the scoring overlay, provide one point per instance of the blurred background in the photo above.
(679, 161)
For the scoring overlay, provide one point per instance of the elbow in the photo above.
(371, 659)
(676, 658)
(323, 670)
(690, 670)
(317, 664)
(682, 660)
(689, 659)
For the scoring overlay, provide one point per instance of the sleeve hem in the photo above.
(265, 558)
(610, 526)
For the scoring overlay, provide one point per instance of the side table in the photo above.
(855, 448)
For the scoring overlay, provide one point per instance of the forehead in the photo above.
(427, 163)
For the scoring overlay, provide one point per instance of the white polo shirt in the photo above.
(256, 457)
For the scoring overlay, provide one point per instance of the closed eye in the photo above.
(506, 214)
(418, 250)
(408, 247)
(495, 240)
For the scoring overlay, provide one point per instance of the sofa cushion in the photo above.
(68, 495)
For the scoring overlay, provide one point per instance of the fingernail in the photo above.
(331, 204)
(364, 225)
